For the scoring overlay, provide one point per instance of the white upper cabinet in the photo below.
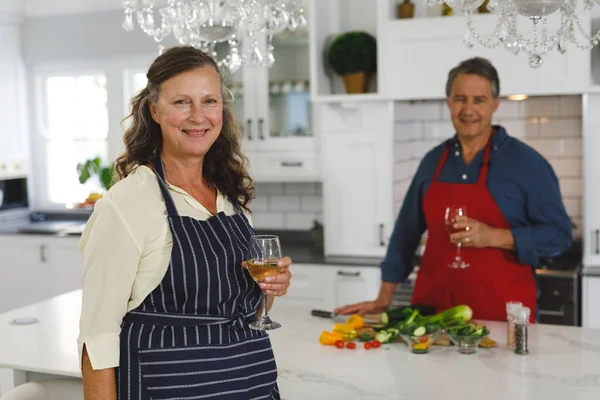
(417, 54)
(274, 110)
(13, 132)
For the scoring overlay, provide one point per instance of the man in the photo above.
(514, 211)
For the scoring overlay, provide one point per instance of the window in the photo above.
(76, 129)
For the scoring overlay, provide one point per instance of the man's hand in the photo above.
(473, 233)
(365, 307)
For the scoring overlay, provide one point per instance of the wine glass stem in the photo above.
(266, 313)
(458, 247)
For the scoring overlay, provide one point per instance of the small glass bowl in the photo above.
(466, 344)
(420, 344)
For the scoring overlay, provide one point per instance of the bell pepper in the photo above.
(329, 338)
(355, 321)
(348, 332)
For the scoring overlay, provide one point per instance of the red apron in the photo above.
(494, 276)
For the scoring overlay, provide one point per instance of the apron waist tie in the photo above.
(235, 321)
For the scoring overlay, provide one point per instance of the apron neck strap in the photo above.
(160, 173)
(483, 173)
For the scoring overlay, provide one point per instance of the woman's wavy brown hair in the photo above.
(224, 165)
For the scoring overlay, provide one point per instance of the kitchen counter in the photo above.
(564, 361)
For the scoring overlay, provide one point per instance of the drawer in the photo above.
(284, 166)
(553, 290)
(335, 117)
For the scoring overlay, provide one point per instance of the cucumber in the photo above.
(420, 331)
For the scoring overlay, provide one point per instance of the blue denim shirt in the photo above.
(520, 180)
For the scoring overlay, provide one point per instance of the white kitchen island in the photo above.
(564, 362)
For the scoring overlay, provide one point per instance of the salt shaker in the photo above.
(511, 307)
(521, 330)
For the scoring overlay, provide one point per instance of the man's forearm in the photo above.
(386, 292)
(503, 239)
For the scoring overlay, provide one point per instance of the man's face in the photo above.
(471, 104)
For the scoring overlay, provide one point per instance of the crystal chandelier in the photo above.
(544, 36)
(205, 24)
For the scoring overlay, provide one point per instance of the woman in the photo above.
(166, 301)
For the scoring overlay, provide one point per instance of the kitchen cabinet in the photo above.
(274, 111)
(591, 187)
(327, 286)
(416, 55)
(590, 288)
(12, 96)
(37, 267)
(357, 177)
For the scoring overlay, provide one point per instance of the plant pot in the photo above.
(483, 8)
(356, 83)
(406, 9)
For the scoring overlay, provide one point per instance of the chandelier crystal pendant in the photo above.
(206, 23)
(540, 38)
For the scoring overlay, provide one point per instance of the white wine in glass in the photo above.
(263, 253)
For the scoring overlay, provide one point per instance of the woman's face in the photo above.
(190, 112)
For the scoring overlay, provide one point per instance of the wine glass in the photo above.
(263, 253)
(452, 213)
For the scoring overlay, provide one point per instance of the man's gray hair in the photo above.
(475, 66)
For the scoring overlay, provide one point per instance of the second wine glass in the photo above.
(263, 253)
(452, 213)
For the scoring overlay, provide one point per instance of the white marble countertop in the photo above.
(564, 362)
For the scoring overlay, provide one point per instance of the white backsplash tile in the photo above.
(301, 221)
(311, 203)
(292, 206)
(570, 106)
(521, 128)
(561, 128)
(546, 106)
(508, 109)
(408, 131)
(268, 219)
(438, 130)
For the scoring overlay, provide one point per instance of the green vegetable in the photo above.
(420, 331)
(468, 330)
(453, 316)
(396, 315)
(386, 336)
(365, 337)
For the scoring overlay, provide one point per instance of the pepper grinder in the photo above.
(511, 307)
(522, 330)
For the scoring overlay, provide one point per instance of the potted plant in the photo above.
(353, 55)
(93, 167)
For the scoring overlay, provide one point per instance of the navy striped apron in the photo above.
(189, 339)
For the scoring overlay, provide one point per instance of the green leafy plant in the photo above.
(93, 167)
(352, 52)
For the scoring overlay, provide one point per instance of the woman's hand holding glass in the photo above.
(270, 270)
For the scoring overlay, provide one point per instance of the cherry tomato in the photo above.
(376, 344)
(339, 344)
(368, 345)
(351, 345)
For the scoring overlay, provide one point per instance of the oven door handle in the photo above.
(551, 313)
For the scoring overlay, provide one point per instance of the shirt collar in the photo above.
(498, 140)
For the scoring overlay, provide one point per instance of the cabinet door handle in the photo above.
(249, 124)
(597, 241)
(381, 241)
(43, 257)
(350, 274)
(291, 163)
(260, 129)
(551, 313)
